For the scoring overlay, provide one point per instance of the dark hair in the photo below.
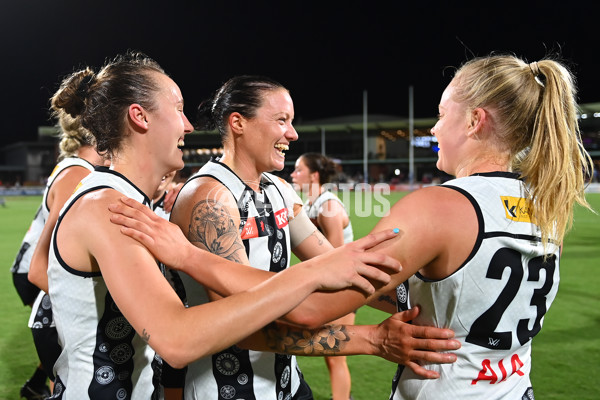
(242, 94)
(101, 100)
(319, 163)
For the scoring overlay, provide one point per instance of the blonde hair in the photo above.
(72, 135)
(536, 121)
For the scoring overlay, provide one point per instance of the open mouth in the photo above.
(281, 148)
(180, 143)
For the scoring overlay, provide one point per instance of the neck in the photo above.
(481, 167)
(140, 170)
(244, 168)
(314, 191)
(89, 154)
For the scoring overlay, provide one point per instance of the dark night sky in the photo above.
(326, 53)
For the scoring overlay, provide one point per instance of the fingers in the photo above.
(363, 284)
(131, 208)
(425, 373)
(373, 239)
(374, 273)
(137, 235)
(437, 344)
(431, 357)
(408, 315)
(429, 332)
(380, 261)
(129, 222)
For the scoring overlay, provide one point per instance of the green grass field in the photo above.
(566, 355)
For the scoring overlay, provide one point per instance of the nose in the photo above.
(291, 134)
(187, 126)
(432, 130)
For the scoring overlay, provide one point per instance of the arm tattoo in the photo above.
(387, 299)
(327, 340)
(145, 335)
(319, 237)
(212, 228)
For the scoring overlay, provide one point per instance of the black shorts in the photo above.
(26, 290)
(48, 349)
(304, 391)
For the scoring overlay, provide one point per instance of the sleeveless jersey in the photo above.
(23, 259)
(235, 373)
(495, 302)
(102, 357)
(312, 210)
(158, 207)
(41, 311)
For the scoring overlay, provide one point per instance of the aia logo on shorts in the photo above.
(281, 218)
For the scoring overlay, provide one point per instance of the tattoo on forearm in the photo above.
(145, 335)
(328, 340)
(212, 228)
(387, 299)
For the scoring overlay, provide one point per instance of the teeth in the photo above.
(282, 147)
(180, 143)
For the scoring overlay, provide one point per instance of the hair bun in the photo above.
(83, 88)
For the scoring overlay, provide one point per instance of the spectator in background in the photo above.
(326, 211)
(77, 159)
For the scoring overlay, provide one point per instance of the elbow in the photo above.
(177, 353)
(174, 360)
(173, 355)
(305, 320)
(36, 279)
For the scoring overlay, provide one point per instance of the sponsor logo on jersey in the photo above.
(255, 227)
(516, 209)
(250, 230)
(281, 218)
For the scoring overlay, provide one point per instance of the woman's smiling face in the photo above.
(268, 134)
(450, 131)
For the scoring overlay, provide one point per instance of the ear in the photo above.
(314, 177)
(138, 116)
(236, 122)
(478, 119)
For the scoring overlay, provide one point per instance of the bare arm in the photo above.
(208, 216)
(324, 307)
(60, 191)
(180, 334)
(388, 340)
(332, 220)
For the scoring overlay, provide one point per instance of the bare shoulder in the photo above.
(202, 197)
(87, 223)
(437, 202)
(91, 209)
(204, 188)
(332, 207)
(438, 225)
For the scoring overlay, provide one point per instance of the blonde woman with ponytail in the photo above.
(76, 160)
(480, 254)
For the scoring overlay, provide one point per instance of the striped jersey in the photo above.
(235, 373)
(313, 210)
(23, 259)
(495, 302)
(41, 311)
(102, 357)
